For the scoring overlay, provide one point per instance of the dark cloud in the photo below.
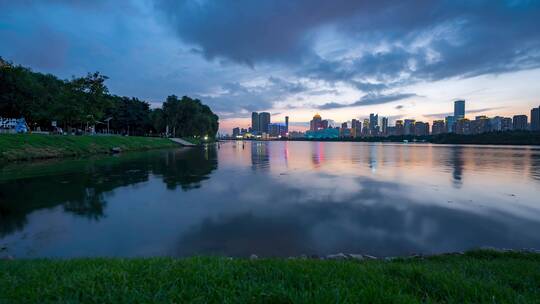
(422, 40)
(369, 100)
(250, 31)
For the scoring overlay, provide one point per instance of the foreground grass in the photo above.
(29, 146)
(476, 277)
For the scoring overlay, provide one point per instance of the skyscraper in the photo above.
(399, 127)
(384, 126)
(365, 127)
(519, 122)
(459, 109)
(356, 128)
(373, 122)
(287, 124)
(255, 122)
(264, 121)
(535, 119)
(408, 127)
(450, 122)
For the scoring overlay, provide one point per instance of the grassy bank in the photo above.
(29, 146)
(476, 277)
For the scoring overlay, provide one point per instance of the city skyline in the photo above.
(401, 58)
(455, 122)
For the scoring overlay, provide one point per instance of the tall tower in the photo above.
(373, 121)
(459, 109)
(264, 121)
(255, 122)
(535, 119)
(384, 123)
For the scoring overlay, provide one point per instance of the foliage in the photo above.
(76, 103)
(475, 277)
(189, 117)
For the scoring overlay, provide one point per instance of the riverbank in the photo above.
(506, 138)
(16, 147)
(474, 277)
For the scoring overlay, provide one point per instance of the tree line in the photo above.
(86, 101)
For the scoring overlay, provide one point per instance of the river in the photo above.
(273, 199)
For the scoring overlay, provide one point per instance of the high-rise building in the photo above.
(264, 121)
(408, 127)
(399, 128)
(506, 124)
(480, 124)
(277, 130)
(373, 122)
(255, 122)
(459, 109)
(365, 127)
(384, 126)
(495, 123)
(421, 128)
(236, 132)
(450, 121)
(287, 124)
(356, 128)
(519, 122)
(344, 125)
(324, 124)
(316, 123)
(438, 127)
(463, 126)
(535, 119)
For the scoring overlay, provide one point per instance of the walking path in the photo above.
(182, 142)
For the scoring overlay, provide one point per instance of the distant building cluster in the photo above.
(457, 123)
(320, 128)
(263, 128)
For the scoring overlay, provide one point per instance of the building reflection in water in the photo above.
(317, 154)
(260, 155)
(457, 163)
(147, 203)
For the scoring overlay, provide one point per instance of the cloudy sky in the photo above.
(342, 58)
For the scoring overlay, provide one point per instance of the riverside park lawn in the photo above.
(480, 276)
(14, 147)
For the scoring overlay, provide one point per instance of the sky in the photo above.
(343, 59)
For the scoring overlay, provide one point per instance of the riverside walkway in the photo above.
(182, 142)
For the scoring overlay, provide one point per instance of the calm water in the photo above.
(273, 199)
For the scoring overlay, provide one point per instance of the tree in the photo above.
(189, 117)
(41, 98)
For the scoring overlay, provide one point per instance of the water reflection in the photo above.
(81, 187)
(457, 166)
(260, 155)
(275, 199)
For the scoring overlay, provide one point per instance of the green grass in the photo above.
(29, 146)
(476, 277)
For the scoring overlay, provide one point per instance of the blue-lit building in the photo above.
(459, 109)
(277, 129)
(328, 133)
